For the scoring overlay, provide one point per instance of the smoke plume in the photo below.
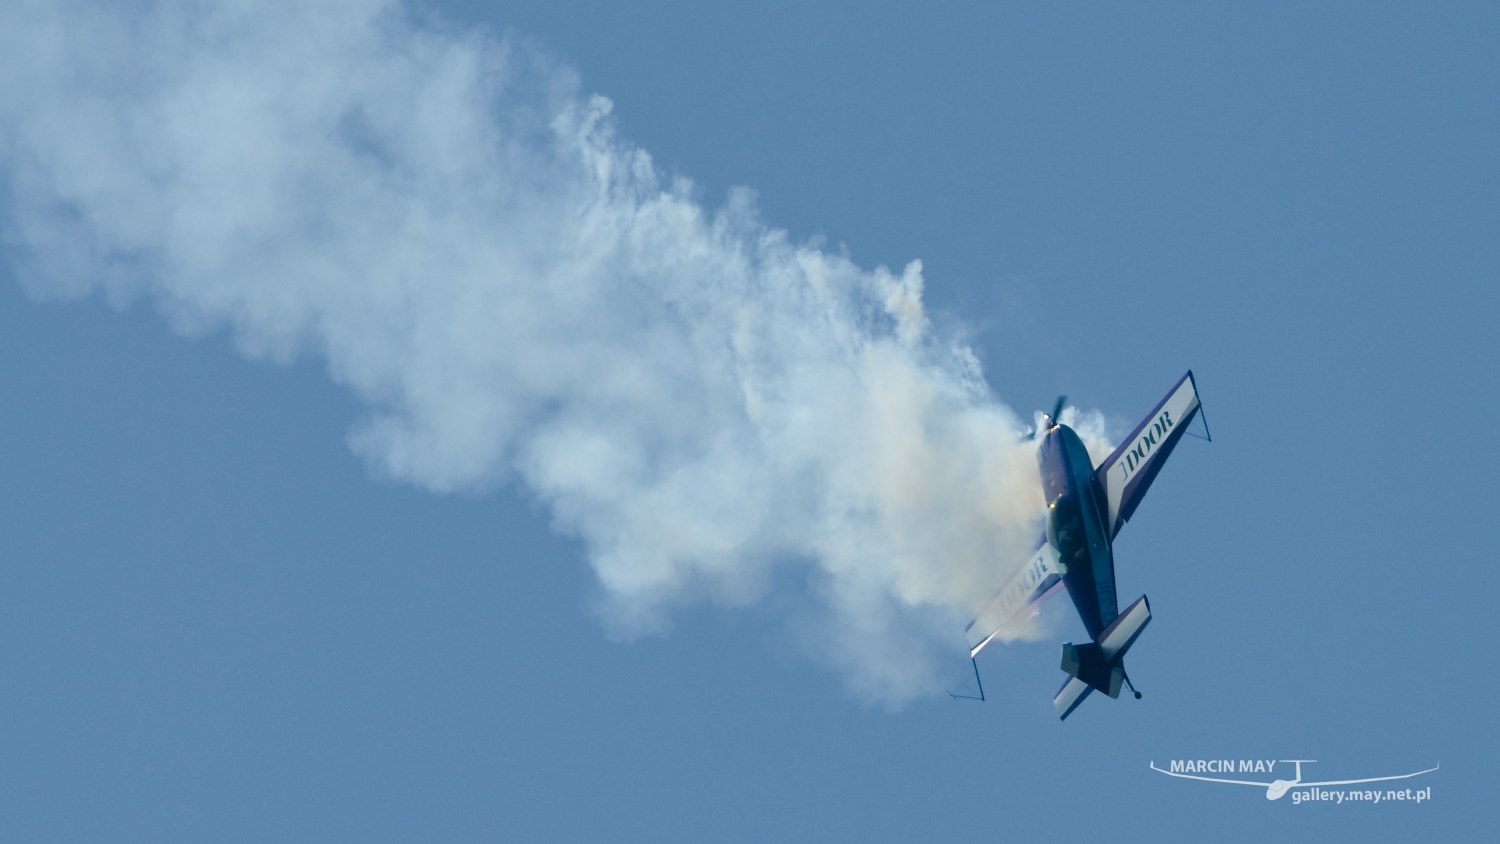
(517, 295)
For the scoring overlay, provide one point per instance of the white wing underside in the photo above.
(1019, 601)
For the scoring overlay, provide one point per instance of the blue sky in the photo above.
(222, 624)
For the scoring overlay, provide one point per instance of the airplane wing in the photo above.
(1126, 475)
(1367, 779)
(1209, 779)
(1020, 599)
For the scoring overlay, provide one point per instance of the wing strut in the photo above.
(980, 697)
(1204, 418)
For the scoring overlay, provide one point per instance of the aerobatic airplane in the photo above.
(1086, 507)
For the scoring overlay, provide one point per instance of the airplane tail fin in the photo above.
(1101, 665)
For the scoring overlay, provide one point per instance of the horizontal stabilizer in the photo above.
(1101, 665)
(1069, 696)
(1121, 633)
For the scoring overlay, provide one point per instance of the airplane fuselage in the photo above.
(1076, 527)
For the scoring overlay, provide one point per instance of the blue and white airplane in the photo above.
(1086, 507)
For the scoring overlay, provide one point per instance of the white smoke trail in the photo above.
(513, 291)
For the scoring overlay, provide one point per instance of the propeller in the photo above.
(1051, 417)
(1056, 411)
